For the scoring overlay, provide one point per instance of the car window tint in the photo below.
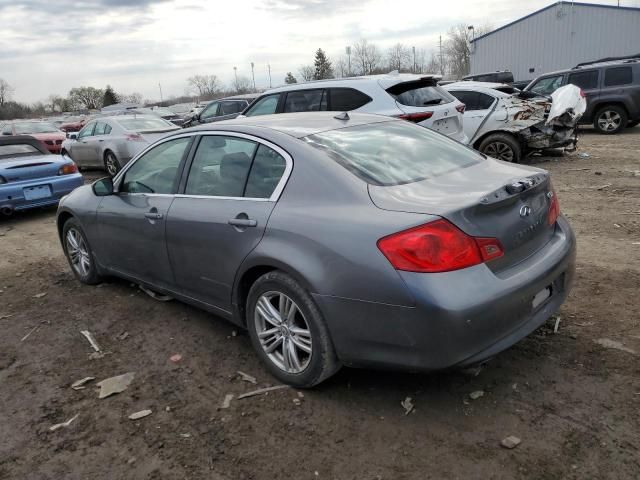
(419, 94)
(345, 99)
(394, 152)
(264, 106)
(617, 76)
(546, 86)
(210, 110)
(304, 101)
(157, 170)
(229, 108)
(99, 130)
(220, 166)
(584, 80)
(468, 98)
(87, 130)
(483, 101)
(266, 171)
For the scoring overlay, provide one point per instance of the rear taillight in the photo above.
(416, 117)
(554, 208)
(134, 137)
(68, 169)
(461, 108)
(438, 246)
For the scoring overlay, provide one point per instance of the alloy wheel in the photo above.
(500, 150)
(78, 252)
(112, 164)
(283, 332)
(609, 120)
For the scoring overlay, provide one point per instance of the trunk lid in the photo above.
(488, 199)
(26, 168)
(151, 136)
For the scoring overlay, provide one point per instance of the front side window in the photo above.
(229, 108)
(617, 76)
(157, 170)
(305, 101)
(210, 110)
(220, 166)
(87, 130)
(99, 130)
(264, 106)
(546, 86)
(585, 80)
(394, 152)
(345, 99)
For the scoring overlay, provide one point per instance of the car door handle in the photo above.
(154, 216)
(243, 222)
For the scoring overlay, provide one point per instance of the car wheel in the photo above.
(632, 124)
(79, 254)
(501, 146)
(288, 331)
(610, 119)
(111, 164)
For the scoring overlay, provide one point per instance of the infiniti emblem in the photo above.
(525, 211)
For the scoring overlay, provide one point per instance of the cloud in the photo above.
(310, 8)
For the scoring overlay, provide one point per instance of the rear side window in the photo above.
(305, 101)
(473, 100)
(617, 76)
(419, 94)
(585, 80)
(345, 99)
(229, 108)
(266, 172)
(264, 106)
(99, 130)
(393, 153)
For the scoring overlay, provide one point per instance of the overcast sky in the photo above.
(49, 46)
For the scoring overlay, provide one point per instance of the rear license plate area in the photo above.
(547, 292)
(443, 125)
(37, 192)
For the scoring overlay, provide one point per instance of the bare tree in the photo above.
(399, 58)
(6, 91)
(241, 84)
(307, 72)
(433, 65)
(134, 97)
(204, 85)
(88, 97)
(457, 49)
(341, 67)
(367, 57)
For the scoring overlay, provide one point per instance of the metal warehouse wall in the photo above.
(558, 38)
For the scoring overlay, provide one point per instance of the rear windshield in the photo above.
(17, 149)
(419, 94)
(139, 124)
(393, 153)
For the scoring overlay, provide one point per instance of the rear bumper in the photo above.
(12, 195)
(459, 318)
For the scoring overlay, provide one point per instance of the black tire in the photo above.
(502, 146)
(610, 119)
(111, 163)
(321, 361)
(633, 123)
(90, 275)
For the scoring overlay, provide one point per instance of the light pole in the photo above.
(235, 72)
(414, 59)
(160, 87)
(254, 77)
(348, 50)
(269, 67)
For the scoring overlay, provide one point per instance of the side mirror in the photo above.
(103, 187)
(72, 135)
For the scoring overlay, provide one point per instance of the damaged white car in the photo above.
(503, 125)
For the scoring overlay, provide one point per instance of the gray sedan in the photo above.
(355, 240)
(110, 142)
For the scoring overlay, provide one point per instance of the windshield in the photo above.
(393, 153)
(139, 124)
(34, 127)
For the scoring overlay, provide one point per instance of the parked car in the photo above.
(334, 239)
(73, 124)
(503, 76)
(501, 124)
(47, 133)
(110, 142)
(164, 113)
(416, 98)
(612, 88)
(30, 176)
(222, 109)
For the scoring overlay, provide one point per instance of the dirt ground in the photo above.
(573, 402)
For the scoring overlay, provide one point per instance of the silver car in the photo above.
(357, 240)
(110, 142)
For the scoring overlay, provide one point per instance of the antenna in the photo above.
(342, 116)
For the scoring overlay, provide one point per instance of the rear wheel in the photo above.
(501, 146)
(610, 119)
(288, 331)
(111, 164)
(79, 254)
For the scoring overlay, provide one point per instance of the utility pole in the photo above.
(269, 67)
(414, 60)
(348, 50)
(254, 77)
(441, 62)
(160, 87)
(235, 72)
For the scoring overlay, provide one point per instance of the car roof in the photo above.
(298, 125)
(591, 66)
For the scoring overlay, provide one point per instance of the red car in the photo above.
(46, 133)
(74, 124)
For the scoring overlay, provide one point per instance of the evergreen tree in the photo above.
(109, 97)
(322, 66)
(290, 78)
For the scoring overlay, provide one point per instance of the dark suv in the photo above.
(612, 88)
(221, 109)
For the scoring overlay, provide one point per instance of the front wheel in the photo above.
(501, 146)
(79, 254)
(288, 332)
(111, 164)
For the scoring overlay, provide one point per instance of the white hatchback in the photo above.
(416, 98)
